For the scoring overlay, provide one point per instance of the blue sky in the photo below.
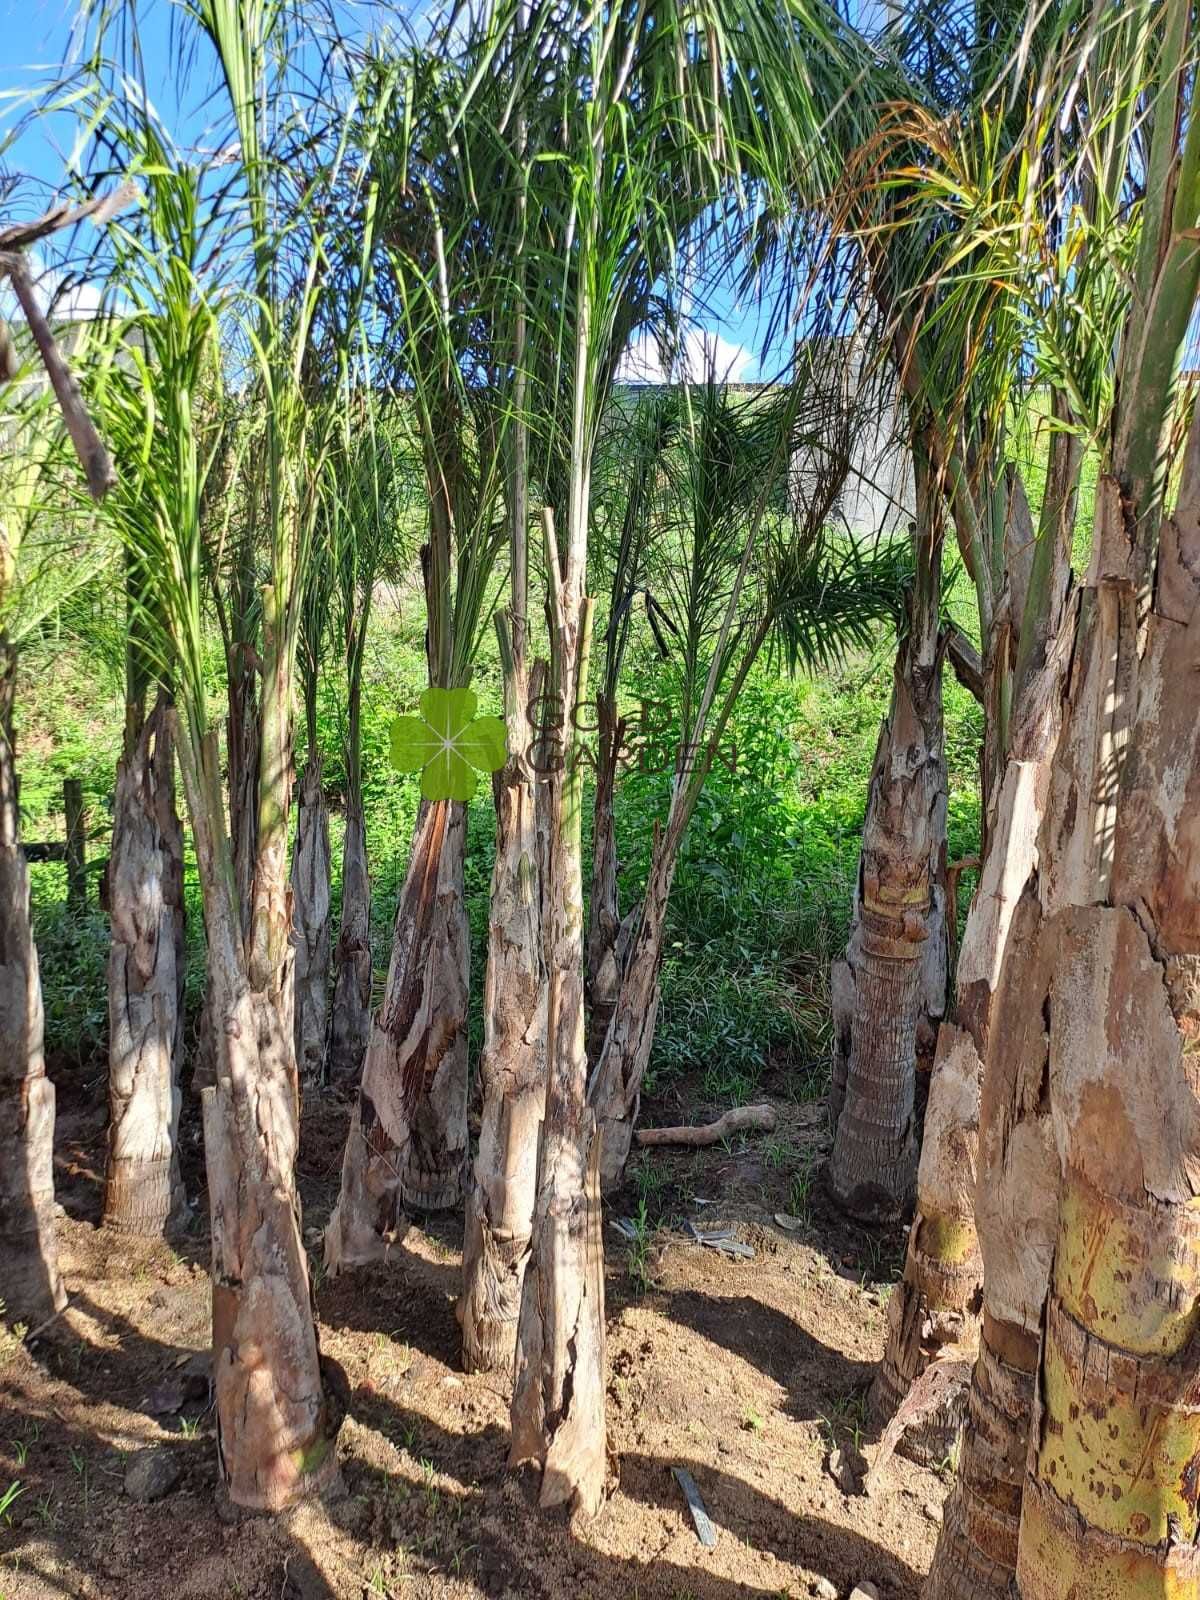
(37, 36)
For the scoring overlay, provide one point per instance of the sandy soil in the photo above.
(744, 1371)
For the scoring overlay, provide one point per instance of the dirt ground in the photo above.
(744, 1371)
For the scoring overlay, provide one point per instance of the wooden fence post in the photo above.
(76, 848)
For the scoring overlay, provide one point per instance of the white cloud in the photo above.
(703, 350)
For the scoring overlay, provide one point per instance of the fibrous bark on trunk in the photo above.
(1016, 1205)
(276, 1429)
(143, 1190)
(31, 1286)
(311, 912)
(407, 1144)
(889, 992)
(350, 1019)
(936, 1305)
(512, 1067)
(1112, 1493)
(558, 1422)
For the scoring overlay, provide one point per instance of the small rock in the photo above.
(823, 1589)
(152, 1473)
(864, 1591)
(932, 1510)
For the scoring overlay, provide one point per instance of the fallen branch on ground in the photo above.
(760, 1119)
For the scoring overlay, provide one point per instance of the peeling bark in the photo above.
(558, 1391)
(143, 1190)
(407, 1144)
(30, 1283)
(1091, 1117)
(311, 921)
(890, 991)
(938, 1300)
(1112, 1495)
(276, 1427)
(512, 1067)
(558, 1411)
(1016, 1206)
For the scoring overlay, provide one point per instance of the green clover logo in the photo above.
(447, 742)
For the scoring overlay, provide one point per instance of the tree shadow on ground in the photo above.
(810, 1371)
(494, 1529)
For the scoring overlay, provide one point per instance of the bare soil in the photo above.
(745, 1372)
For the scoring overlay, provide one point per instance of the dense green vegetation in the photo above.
(767, 871)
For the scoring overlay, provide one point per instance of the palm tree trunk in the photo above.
(1112, 1492)
(617, 1082)
(890, 990)
(276, 1431)
(604, 905)
(512, 1067)
(242, 739)
(143, 1189)
(558, 1420)
(936, 1305)
(311, 915)
(30, 1284)
(350, 1023)
(407, 1143)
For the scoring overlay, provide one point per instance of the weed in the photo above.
(775, 1152)
(753, 1422)
(9, 1498)
(947, 1467)
(190, 1426)
(638, 1255)
(802, 1186)
(845, 1420)
(80, 1466)
(459, 1556)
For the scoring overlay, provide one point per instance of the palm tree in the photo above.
(43, 556)
(1022, 333)
(143, 893)
(649, 119)
(631, 458)
(367, 488)
(1079, 1215)
(311, 860)
(179, 270)
(407, 1143)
